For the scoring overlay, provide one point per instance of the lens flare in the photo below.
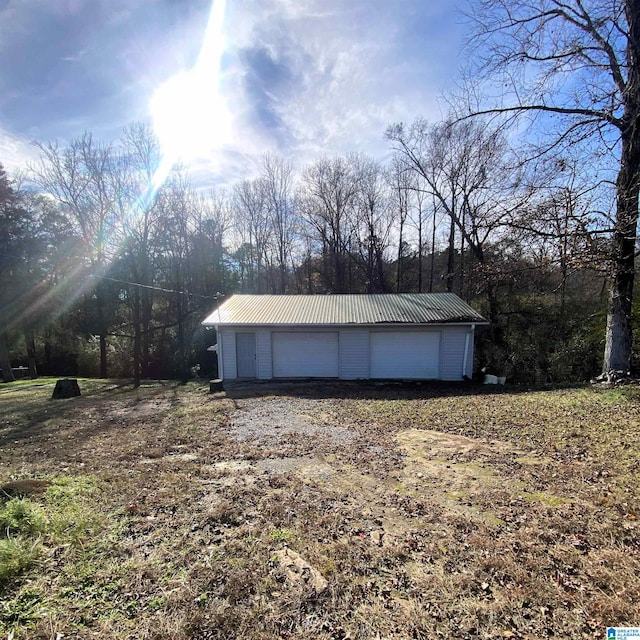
(190, 117)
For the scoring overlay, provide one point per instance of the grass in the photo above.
(446, 512)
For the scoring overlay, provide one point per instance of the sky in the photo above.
(295, 78)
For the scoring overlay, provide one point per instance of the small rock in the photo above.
(376, 537)
(299, 572)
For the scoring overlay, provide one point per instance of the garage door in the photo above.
(411, 354)
(305, 355)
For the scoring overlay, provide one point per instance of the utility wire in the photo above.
(134, 284)
(148, 286)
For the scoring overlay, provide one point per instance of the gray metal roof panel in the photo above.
(344, 309)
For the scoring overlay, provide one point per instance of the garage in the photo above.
(309, 354)
(405, 355)
(390, 336)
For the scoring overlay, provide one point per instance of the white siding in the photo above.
(354, 354)
(263, 347)
(351, 349)
(228, 339)
(452, 353)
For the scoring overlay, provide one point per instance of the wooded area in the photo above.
(104, 272)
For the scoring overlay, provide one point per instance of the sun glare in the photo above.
(189, 115)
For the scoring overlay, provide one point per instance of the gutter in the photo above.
(469, 333)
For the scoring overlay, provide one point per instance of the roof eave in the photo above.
(346, 324)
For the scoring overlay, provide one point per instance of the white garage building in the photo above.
(406, 336)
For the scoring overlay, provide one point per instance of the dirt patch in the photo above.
(273, 420)
(450, 468)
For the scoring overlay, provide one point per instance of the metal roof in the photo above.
(344, 309)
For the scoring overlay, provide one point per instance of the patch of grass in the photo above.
(281, 535)
(25, 608)
(541, 496)
(67, 525)
(21, 516)
(16, 556)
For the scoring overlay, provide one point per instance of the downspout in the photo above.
(219, 354)
(472, 328)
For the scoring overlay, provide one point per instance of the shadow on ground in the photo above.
(369, 390)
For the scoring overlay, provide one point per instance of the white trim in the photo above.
(351, 325)
(465, 357)
(220, 354)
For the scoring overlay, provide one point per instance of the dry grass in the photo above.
(431, 511)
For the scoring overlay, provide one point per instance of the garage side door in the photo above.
(305, 354)
(410, 354)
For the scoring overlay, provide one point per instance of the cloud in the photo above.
(329, 77)
(299, 78)
(15, 152)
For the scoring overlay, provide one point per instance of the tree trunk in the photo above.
(103, 355)
(136, 338)
(147, 314)
(399, 266)
(618, 336)
(31, 353)
(451, 255)
(420, 252)
(5, 363)
(184, 376)
(433, 252)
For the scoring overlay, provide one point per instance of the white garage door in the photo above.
(410, 354)
(305, 355)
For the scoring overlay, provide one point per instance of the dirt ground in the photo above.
(403, 511)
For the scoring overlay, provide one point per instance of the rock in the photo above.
(66, 388)
(299, 572)
(377, 537)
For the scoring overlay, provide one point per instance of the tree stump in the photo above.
(215, 385)
(66, 388)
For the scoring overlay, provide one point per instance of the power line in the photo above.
(148, 286)
(133, 284)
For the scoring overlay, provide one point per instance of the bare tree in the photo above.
(419, 213)
(277, 179)
(139, 156)
(464, 167)
(401, 180)
(253, 224)
(80, 177)
(177, 207)
(373, 223)
(563, 226)
(327, 197)
(573, 67)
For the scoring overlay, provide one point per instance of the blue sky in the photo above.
(298, 78)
